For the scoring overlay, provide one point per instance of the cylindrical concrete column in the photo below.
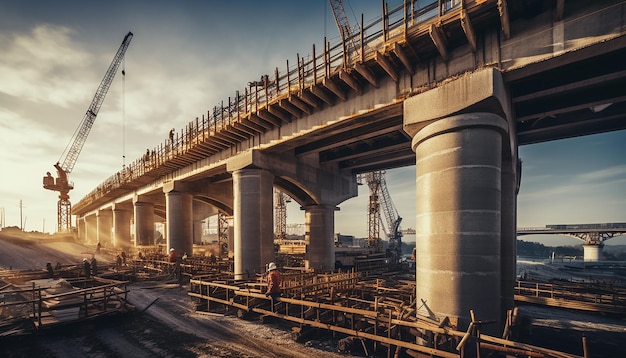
(458, 217)
(91, 229)
(179, 213)
(121, 229)
(144, 223)
(592, 252)
(80, 224)
(104, 224)
(319, 221)
(253, 222)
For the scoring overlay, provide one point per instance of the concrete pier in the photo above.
(121, 228)
(319, 237)
(458, 216)
(253, 209)
(144, 222)
(179, 212)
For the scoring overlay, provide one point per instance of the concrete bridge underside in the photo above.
(453, 94)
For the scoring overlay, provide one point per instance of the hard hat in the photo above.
(271, 266)
(84, 259)
(172, 249)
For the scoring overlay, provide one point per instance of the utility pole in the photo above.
(21, 222)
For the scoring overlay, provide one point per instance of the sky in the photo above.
(188, 56)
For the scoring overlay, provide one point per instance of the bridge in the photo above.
(451, 87)
(593, 235)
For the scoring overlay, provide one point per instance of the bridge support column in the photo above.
(466, 164)
(592, 252)
(104, 224)
(253, 222)
(179, 214)
(91, 229)
(458, 209)
(80, 225)
(121, 228)
(144, 223)
(319, 237)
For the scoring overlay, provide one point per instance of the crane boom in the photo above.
(83, 130)
(62, 184)
(343, 25)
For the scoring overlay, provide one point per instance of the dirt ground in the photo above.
(165, 324)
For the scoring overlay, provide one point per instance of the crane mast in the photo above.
(280, 214)
(61, 183)
(380, 199)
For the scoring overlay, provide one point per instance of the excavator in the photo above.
(64, 167)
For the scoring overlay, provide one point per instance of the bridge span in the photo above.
(452, 87)
(593, 235)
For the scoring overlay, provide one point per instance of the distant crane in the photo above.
(61, 184)
(380, 199)
(280, 214)
(343, 25)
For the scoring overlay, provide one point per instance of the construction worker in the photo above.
(273, 283)
(94, 265)
(173, 255)
(50, 270)
(87, 267)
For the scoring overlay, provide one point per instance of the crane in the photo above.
(280, 214)
(380, 199)
(61, 183)
(343, 25)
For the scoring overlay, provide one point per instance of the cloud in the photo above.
(613, 173)
(43, 66)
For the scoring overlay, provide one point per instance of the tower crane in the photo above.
(280, 214)
(380, 199)
(61, 183)
(343, 25)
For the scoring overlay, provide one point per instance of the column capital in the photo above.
(175, 185)
(481, 91)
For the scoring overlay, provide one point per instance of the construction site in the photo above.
(366, 311)
(61, 296)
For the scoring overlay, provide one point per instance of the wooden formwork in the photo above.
(27, 306)
(373, 310)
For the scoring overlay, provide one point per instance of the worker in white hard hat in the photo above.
(173, 255)
(273, 283)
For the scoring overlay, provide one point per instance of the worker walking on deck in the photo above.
(273, 283)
